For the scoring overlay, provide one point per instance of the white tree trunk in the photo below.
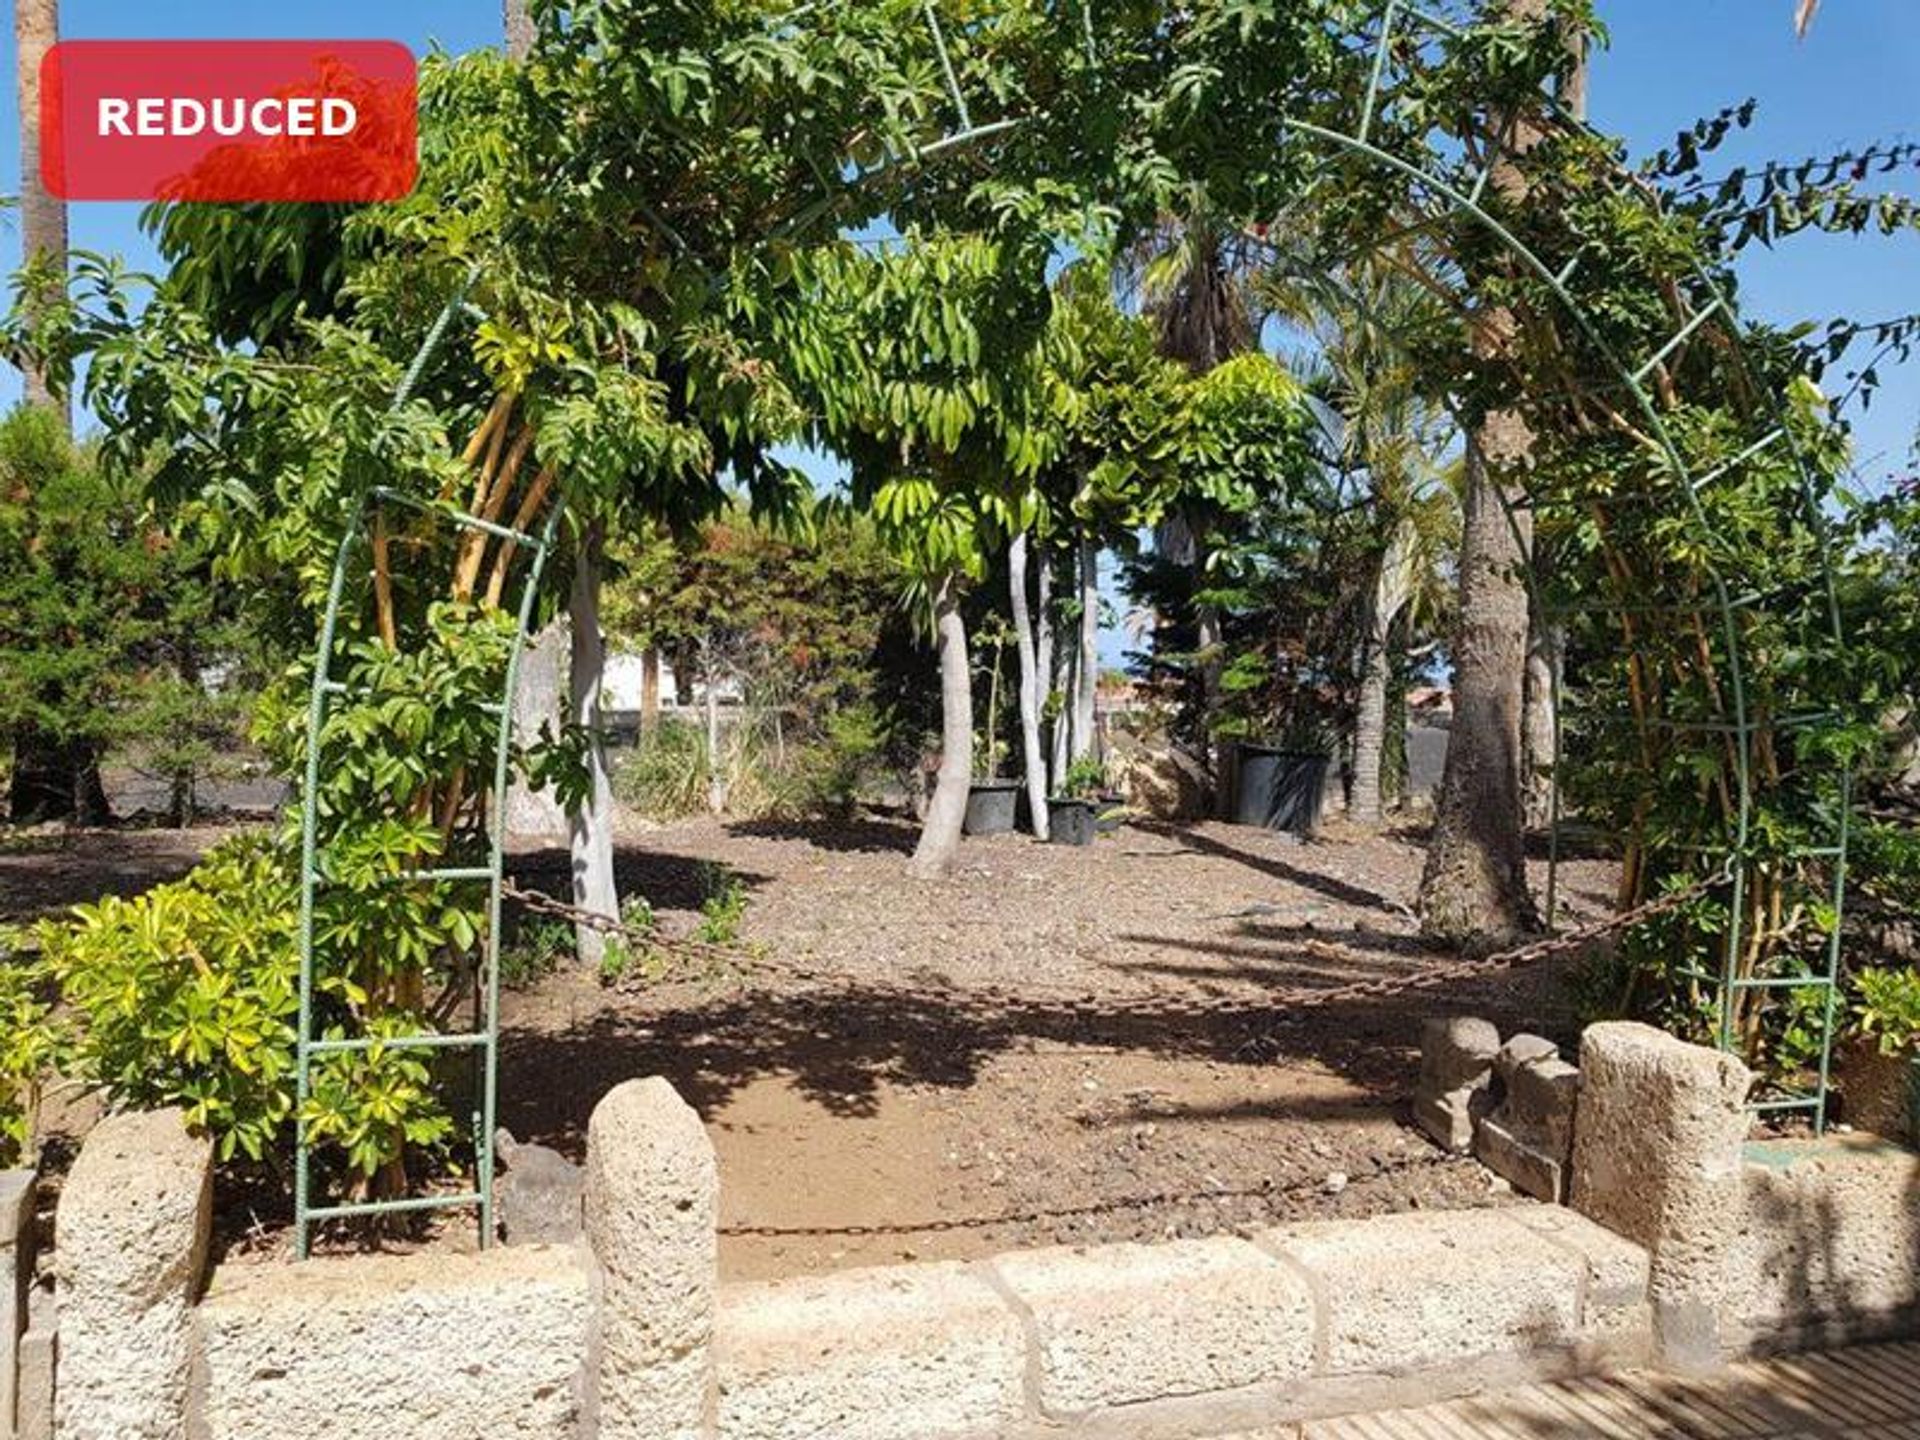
(1086, 675)
(540, 697)
(1031, 756)
(590, 827)
(947, 811)
(716, 762)
(1048, 657)
(1546, 644)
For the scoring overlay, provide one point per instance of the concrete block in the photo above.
(906, 1352)
(1616, 1321)
(1528, 1139)
(38, 1360)
(434, 1346)
(1408, 1291)
(1118, 1324)
(1448, 1117)
(652, 1212)
(1520, 1051)
(1515, 1158)
(1827, 1245)
(1456, 1070)
(1656, 1158)
(1456, 1052)
(16, 1274)
(131, 1243)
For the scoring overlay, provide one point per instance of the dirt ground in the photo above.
(1053, 1045)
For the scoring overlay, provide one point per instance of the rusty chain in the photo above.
(1427, 977)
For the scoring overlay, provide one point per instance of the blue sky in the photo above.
(1855, 79)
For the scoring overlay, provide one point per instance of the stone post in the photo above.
(1656, 1158)
(652, 1212)
(16, 1273)
(131, 1243)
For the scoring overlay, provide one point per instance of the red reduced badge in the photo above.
(229, 120)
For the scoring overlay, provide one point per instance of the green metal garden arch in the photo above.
(1457, 192)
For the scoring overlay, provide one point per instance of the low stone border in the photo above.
(1679, 1247)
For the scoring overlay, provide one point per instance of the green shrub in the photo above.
(725, 905)
(1888, 1007)
(33, 1040)
(188, 995)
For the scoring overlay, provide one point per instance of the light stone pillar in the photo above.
(1656, 1158)
(16, 1272)
(130, 1246)
(652, 1213)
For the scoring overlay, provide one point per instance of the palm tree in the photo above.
(1360, 321)
(1195, 276)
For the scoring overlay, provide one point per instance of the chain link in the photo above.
(1295, 997)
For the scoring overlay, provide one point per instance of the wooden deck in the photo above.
(1869, 1392)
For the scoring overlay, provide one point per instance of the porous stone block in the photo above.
(1656, 1158)
(16, 1273)
(434, 1346)
(1616, 1322)
(1456, 1069)
(538, 1198)
(38, 1356)
(1117, 1324)
(652, 1202)
(1456, 1051)
(906, 1352)
(1528, 1139)
(1408, 1291)
(1828, 1239)
(130, 1246)
(1520, 1051)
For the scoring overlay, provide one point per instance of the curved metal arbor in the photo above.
(482, 1040)
(1682, 498)
(1448, 189)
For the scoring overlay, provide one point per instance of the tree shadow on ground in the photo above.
(864, 835)
(842, 1046)
(667, 881)
(1271, 865)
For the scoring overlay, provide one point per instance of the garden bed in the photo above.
(1055, 1045)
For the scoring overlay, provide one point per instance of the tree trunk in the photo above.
(1086, 674)
(1474, 890)
(518, 25)
(540, 698)
(716, 766)
(1546, 644)
(1370, 724)
(940, 833)
(43, 216)
(55, 780)
(1047, 661)
(590, 827)
(1030, 672)
(649, 690)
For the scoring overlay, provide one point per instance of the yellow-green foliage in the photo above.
(188, 995)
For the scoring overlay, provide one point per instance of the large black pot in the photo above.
(991, 807)
(1071, 822)
(1280, 789)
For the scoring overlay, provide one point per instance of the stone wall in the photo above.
(1678, 1247)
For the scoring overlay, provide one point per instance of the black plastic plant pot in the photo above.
(1280, 789)
(991, 807)
(1072, 822)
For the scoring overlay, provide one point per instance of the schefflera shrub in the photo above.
(188, 995)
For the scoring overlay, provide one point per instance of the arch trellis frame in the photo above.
(1456, 194)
